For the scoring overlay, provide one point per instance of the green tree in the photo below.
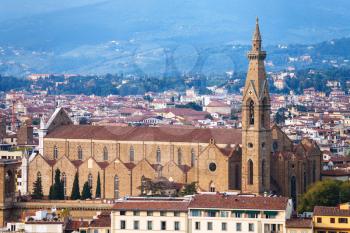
(75, 190)
(58, 190)
(98, 187)
(38, 189)
(51, 193)
(325, 193)
(189, 189)
(86, 193)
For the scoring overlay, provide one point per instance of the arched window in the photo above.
(90, 180)
(105, 154)
(251, 112)
(237, 177)
(263, 173)
(193, 157)
(179, 156)
(55, 152)
(143, 185)
(250, 172)
(293, 190)
(212, 187)
(80, 153)
(158, 155)
(38, 175)
(116, 187)
(131, 154)
(64, 181)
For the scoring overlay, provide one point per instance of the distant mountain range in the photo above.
(132, 58)
(163, 36)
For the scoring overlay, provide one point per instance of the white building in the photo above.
(234, 213)
(150, 214)
(205, 212)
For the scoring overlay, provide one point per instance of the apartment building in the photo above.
(205, 212)
(332, 219)
(150, 214)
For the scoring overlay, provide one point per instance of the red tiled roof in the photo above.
(152, 204)
(337, 172)
(222, 201)
(330, 211)
(162, 134)
(103, 165)
(103, 220)
(299, 223)
(77, 163)
(75, 225)
(130, 166)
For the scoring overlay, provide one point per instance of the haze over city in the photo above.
(174, 116)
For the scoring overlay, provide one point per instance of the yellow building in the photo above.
(332, 219)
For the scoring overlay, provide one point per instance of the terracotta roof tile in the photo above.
(130, 166)
(330, 211)
(299, 223)
(161, 134)
(74, 225)
(153, 204)
(238, 202)
(103, 165)
(103, 220)
(77, 163)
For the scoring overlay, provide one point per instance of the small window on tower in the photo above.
(250, 145)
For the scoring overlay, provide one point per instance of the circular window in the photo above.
(212, 167)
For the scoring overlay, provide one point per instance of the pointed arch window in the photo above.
(193, 157)
(38, 175)
(105, 154)
(237, 176)
(55, 152)
(179, 156)
(64, 181)
(263, 173)
(90, 180)
(131, 154)
(116, 187)
(250, 172)
(80, 153)
(251, 112)
(158, 155)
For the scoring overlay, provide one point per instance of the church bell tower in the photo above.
(256, 132)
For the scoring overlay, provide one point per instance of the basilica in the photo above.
(259, 158)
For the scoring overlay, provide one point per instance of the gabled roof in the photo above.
(161, 134)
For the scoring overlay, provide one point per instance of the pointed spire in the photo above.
(257, 35)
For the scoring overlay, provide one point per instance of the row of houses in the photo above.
(204, 212)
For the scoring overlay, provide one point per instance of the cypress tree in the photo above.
(75, 190)
(86, 193)
(58, 191)
(98, 186)
(51, 193)
(38, 189)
